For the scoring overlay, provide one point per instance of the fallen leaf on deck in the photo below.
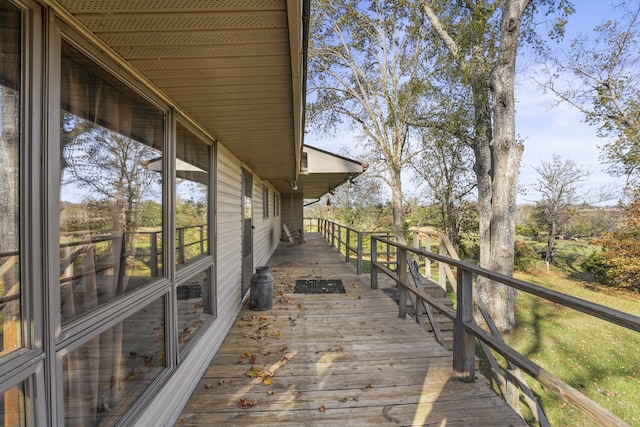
(245, 404)
(322, 409)
(254, 372)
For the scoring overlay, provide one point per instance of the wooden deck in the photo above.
(335, 359)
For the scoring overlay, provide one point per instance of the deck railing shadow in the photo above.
(401, 263)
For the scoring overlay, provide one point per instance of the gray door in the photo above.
(247, 230)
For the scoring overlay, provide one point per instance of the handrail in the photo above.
(466, 330)
(348, 239)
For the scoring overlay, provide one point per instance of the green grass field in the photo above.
(599, 359)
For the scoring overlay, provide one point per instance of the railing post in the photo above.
(339, 237)
(427, 260)
(360, 251)
(442, 275)
(416, 244)
(153, 262)
(374, 258)
(463, 341)
(347, 245)
(181, 246)
(402, 279)
(333, 233)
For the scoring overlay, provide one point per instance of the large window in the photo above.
(110, 199)
(10, 160)
(193, 158)
(103, 377)
(194, 291)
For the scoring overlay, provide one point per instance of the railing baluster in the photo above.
(347, 245)
(374, 259)
(401, 256)
(360, 249)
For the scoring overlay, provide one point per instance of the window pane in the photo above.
(10, 88)
(12, 407)
(192, 196)
(110, 187)
(194, 305)
(104, 377)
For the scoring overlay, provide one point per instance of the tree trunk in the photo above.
(551, 240)
(506, 158)
(396, 204)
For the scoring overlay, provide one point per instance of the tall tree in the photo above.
(482, 38)
(445, 165)
(557, 184)
(599, 75)
(365, 67)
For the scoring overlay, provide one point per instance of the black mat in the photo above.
(319, 286)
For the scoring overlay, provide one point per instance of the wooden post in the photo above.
(416, 244)
(463, 341)
(427, 260)
(374, 258)
(442, 275)
(360, 251)
(153, 262)
(347, 245)
(402, 280)
(180, 245)
(202, 239)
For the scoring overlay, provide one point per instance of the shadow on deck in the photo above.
(329, 359)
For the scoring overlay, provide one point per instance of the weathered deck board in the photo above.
(331, 359)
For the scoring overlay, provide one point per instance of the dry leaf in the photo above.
(208, 386)
(322, 409)
(245, 404)
(254, 372)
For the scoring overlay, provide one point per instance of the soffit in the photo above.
(234, 67)
(324, 171)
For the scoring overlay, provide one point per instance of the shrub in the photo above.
(525, 258)
(595, 265)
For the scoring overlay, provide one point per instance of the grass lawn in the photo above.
(599, 359)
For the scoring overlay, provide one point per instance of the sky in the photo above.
(547, 129)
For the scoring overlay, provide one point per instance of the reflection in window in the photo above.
(105, 376)
(10, 106)
(110, 200)
(276, 205)
(12, 407)
(194, 305)
(192, 196)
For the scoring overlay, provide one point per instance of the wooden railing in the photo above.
(398, 261)
(351, 241)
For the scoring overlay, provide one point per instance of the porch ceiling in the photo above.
(235, 67)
